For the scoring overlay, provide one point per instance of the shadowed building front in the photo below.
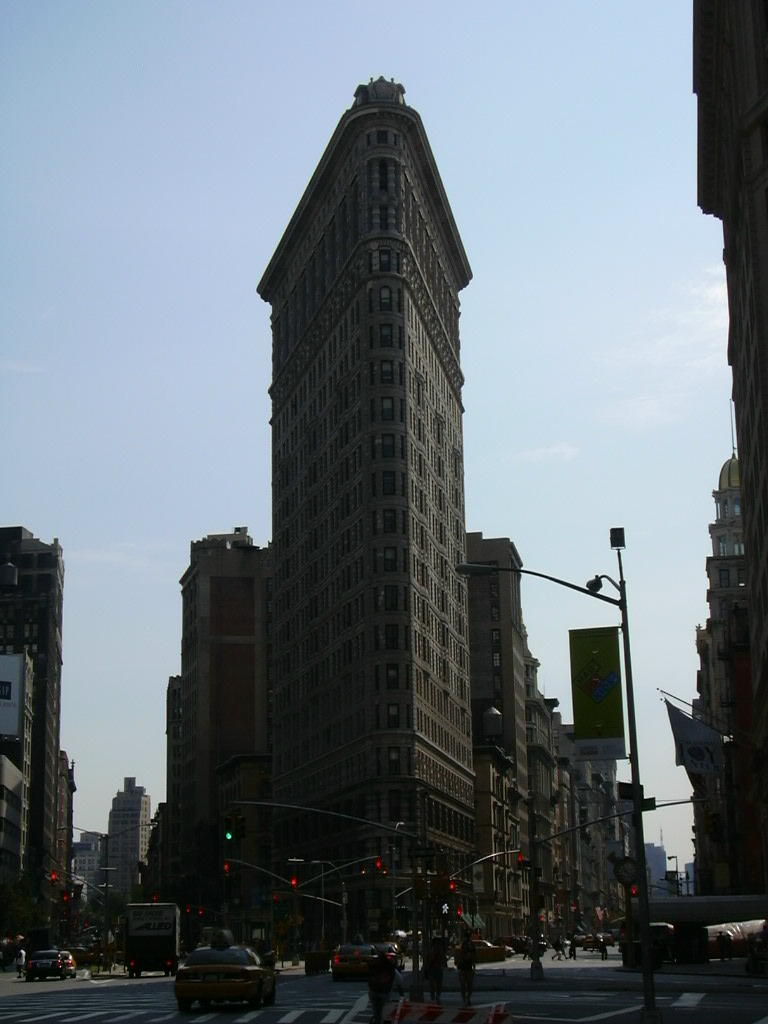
(371, 672)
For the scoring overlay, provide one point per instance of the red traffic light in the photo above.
(459, 910)
(294, 882)
(226, 867)
(452, 885)
(378, 863)
(634, 890)
(54, 875)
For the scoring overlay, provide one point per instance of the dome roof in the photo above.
(729, 474)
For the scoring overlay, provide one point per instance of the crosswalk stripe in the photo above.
(687, 1000)
(290, 1017)
(332, 1016)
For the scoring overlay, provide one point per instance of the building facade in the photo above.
(219, 708)
(31, 596)
(499, 658)
(371, 668)
(728, 847)
(731, 84)
(128, 831)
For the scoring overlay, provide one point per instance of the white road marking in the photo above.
(687, 1000)
(332, 1016)
(290, 1017)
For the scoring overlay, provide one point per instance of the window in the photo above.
(385, 259)
(385, 299)
(393, 760)
(386, 371)
(389, 556)
(389, 520)
(387, 446)
(390, 597)
(392, 674)
(382, 136)
(391, 636)
(383, 175)
(388, 482)
(725, 577)
(385, 335)
(387, 407)
(722, 545)
(393, 716)
(496, 659)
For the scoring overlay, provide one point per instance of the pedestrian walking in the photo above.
(557, 946)
(434, 968)
(572, 948)
(465, 960)
(21, 959)
(601, 945)
(383, 975)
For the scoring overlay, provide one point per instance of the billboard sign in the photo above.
(598, 710)
(12, 675)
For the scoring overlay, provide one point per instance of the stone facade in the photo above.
(371, 668)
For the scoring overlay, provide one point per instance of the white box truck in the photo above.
(151, 938)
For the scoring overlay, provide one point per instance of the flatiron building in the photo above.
(370, 647)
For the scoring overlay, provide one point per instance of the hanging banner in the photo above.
(698, 747)
(598, 710)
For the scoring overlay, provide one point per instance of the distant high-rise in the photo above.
(731, 82)
(371, 672)
(129, 822)
(31, 595)
(218, 708)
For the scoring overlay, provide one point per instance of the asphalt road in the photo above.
(580, 992)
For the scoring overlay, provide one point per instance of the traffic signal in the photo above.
(54, 876)
(240, 826)
(226, 865)
(522, 862)
(633, 889)
(229, 829)
(452, 885)
(459, 910)
(294, 882)
(378, 863)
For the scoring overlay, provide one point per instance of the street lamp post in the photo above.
(592, 588)
(537, 970)
(392, 878)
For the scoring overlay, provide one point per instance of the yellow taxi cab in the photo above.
(226, 974)
(351, 960)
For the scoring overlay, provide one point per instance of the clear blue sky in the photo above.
(153, 154)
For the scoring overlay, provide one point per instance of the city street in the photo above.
(584, 990)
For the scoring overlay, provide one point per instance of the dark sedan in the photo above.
(50, 963)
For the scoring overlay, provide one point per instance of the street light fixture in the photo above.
(592, 589)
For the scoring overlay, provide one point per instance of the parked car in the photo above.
(50, 963)
(228, 974)
(502, 944)
(352, 960)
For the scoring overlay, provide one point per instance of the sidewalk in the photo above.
(593, 973)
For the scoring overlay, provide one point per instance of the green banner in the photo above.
(598, 711)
